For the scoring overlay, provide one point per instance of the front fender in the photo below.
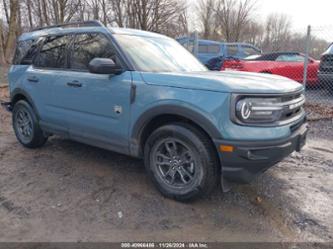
(207, 122)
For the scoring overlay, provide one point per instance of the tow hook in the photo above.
(7, 106)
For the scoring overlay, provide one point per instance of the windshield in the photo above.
(151, 54)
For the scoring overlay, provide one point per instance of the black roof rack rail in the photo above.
(93, 23)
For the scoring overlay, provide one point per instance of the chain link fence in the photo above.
(319, 92)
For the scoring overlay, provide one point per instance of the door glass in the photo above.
(232, 50)
(203, 49)
(89, 46)
(213, 49)
(290, 58)
(248, 51)
(53, 53)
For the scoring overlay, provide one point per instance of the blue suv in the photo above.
(213, 53)
(142, 94)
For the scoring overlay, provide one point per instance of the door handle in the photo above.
(33, 79)
(74, 84)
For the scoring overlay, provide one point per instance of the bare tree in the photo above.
(253, 33)
(5, 7)
(277, 32)
(28, 5)
(233, 16)
(2, 44)
(10, 43)
(207, 17)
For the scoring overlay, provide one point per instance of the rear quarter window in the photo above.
(22, 48)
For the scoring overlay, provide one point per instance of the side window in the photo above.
(22, 49)
(53, 53)
(209, 49)
(213, 49)
(203, 49)
(290, 58)
(89, 46)
(32, 52)
(232, 50)
(248, 50)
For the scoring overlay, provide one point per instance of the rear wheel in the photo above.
(181, 162)
(26, 126)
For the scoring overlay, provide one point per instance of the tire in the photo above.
(181, 161)
(26, 126)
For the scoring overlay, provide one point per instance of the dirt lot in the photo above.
(67, 191)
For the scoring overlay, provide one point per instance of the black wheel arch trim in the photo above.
(22, 92)
(168, 109)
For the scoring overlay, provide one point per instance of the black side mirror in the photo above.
(104, 66)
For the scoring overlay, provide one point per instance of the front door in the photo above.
(97, 105)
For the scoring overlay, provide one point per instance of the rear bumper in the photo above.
(249, 159)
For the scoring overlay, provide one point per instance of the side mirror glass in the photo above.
(104, 66)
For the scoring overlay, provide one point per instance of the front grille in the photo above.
(326, 64)
(292, 107)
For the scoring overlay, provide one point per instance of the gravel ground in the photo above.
(68, 191)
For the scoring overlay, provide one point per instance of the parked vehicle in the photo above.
(142, 94)
(325, 74)
(213, 53)
(287, 64)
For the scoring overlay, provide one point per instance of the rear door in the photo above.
(45, 76)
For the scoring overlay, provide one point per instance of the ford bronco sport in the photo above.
(144, 95)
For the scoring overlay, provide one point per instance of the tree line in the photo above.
(236, 21)
(223, 20)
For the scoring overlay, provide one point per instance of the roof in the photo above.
(82, 27)
(201, 41)
(136, 32)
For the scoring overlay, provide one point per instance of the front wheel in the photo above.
(181, 161)
(26, 126)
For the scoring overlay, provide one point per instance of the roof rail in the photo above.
(92, 23)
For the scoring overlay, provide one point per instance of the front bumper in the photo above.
(249, 159)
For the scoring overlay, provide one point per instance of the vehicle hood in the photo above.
(226, 81)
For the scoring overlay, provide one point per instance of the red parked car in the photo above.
(288, 64)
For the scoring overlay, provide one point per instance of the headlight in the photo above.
(263, 110)
(258, 110)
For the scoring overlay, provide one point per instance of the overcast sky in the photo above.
(302, 12)
(318, 13)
